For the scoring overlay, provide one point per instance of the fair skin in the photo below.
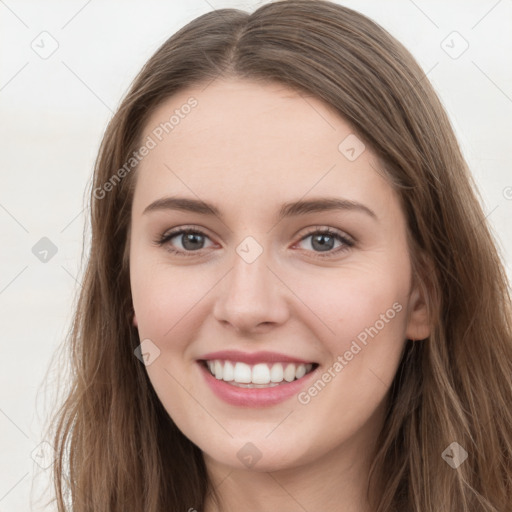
(247, 148)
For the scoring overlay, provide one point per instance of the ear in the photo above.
(135, 324)
(418, 323)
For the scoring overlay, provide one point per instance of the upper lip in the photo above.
(252, 357)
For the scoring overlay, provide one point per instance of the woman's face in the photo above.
(259, 279)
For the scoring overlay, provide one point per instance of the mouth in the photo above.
(259, 375)
(255, 379)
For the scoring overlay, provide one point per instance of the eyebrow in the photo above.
(291, 209)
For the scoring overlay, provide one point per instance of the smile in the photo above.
(258, 375)
(252, 384)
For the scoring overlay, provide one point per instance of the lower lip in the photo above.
(254, 397)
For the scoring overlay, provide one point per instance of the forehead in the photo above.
(228, 113)
(253, 143)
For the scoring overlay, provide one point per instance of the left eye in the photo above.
(325, 240)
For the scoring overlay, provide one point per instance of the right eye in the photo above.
(190, 239)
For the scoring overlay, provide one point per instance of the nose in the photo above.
(251, 299)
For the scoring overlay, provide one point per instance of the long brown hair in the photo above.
(118, 449)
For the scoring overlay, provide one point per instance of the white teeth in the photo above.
(242, 373)
(218, 370)
(276, 373)
(229, 371)
(259, 374)
(289, 372)
(301, 371)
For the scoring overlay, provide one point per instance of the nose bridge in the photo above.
(251, 294)
(250, 278)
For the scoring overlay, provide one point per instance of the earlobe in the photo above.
(135, 324)
(418, 324)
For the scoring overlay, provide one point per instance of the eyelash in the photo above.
(167, 236)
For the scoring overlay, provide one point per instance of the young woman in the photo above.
(292, 300)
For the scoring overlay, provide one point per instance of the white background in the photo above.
(54, 112)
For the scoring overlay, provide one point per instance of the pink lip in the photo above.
(254, 397)
(252, 358)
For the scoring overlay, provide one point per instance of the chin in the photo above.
(259, 457)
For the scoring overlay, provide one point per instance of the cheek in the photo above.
(165, 299)
(167, 302)
(367, 312)
(348, 301)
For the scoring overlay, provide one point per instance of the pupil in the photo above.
(323, 246)
(191, 238)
